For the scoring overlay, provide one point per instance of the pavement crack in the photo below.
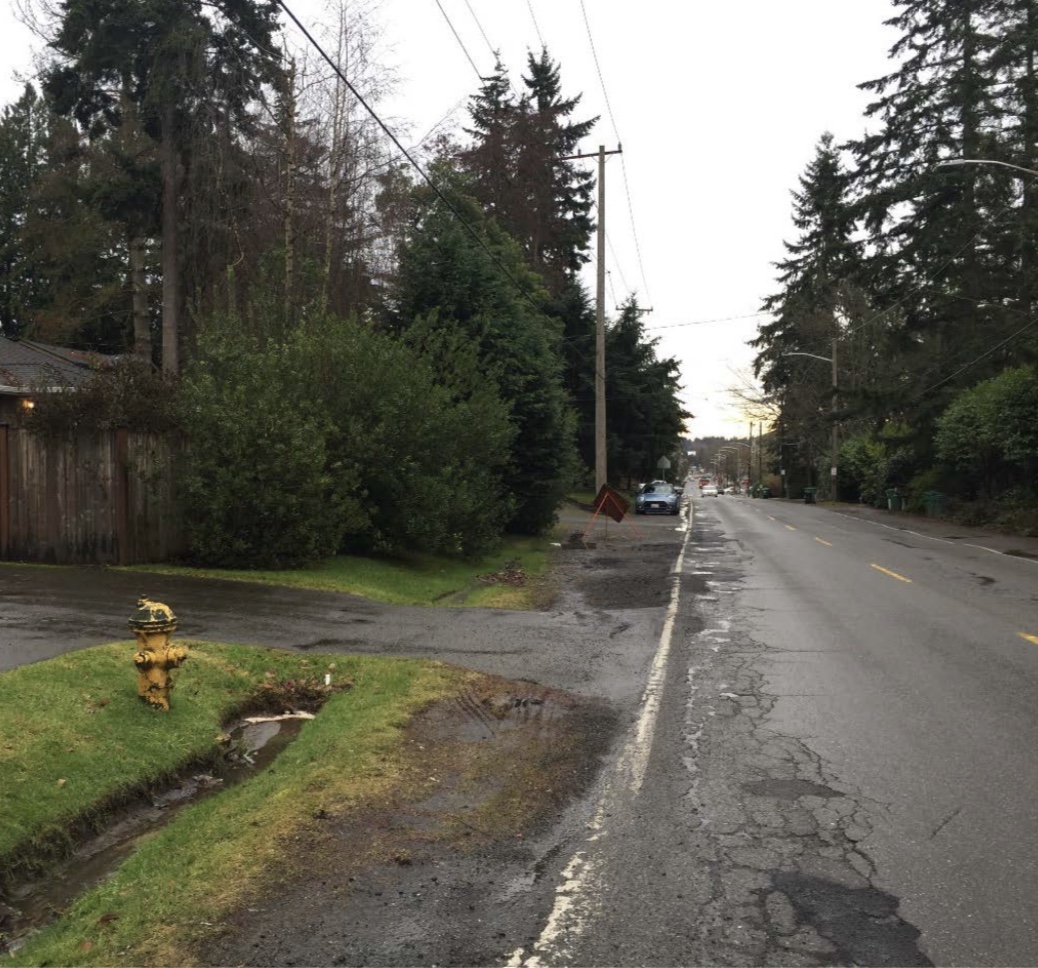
(944, 823)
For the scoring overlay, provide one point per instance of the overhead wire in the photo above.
(457, 37)
(437, 191)
(619, 140)
(536, 26)
(490, 46)
(1009, 339)
(822, 342)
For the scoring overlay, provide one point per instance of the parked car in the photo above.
(731, 489)
(658, 497)
(709, 490)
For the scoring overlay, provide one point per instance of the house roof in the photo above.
(26, 365)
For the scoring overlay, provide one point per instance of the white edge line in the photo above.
(632, 762)
(930, 537)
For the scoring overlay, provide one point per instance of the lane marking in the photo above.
(828, 544)
(770, 518)
(1030, 638)
(893, 574)
(576, 896)
(790, 527)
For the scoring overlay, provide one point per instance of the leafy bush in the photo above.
(331, 437)
(990, 432)
(257, 483)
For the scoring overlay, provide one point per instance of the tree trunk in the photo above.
(170, 259)
(141, 318)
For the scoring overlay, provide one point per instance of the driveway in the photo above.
(596, 640)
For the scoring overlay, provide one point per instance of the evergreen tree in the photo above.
(1013, 64)
(452, 291)
(822, 260)
(644, 415)
(517, 173)
(24, 129)
(554, 223)
(934, 235)
(187, 68)
(491, 159)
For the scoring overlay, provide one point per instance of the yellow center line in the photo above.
(790, 527)
(1030, 638)
(828, 544)
(893, 574)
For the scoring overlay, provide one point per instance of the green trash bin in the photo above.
(894, 500)
(934, 503)
(809, 495)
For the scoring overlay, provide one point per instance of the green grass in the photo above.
(411, 580)
(76, 740)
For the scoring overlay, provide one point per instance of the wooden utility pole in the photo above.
(601, 464)
(834, 442)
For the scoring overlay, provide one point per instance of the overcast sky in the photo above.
(718, 106)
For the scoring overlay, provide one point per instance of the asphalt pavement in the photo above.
(826, 752)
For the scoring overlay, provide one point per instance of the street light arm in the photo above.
(814, 356)
(983, 161)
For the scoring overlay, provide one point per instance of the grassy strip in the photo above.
(77, 719)
(411, 580)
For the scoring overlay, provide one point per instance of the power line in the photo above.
(490, 46)
(926, 280)
(457, 37)
(414, 164)
(619, 140)
(533, 17)
(703, 322)
(984, 355)
(616, 263)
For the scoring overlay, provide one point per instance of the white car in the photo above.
(708, 490)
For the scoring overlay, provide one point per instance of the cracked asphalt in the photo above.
(840, 766)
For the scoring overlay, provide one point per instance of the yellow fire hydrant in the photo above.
(153, 623)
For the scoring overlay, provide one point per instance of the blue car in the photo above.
(658, 498)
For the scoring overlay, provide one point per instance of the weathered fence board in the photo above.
(94, 499)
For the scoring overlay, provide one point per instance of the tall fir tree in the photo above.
(934, 234)
(188, 68)
(24, 134)
(555, 223)
(819, 263)
(480, 297)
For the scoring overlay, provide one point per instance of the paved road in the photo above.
(845, 763)
(829, 751)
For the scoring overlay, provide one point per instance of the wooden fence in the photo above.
(97, 499)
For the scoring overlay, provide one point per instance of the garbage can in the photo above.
(809, 495)
(934, 504)
(894, 500)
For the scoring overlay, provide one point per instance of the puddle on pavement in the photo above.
(790, 789)
(253, 744)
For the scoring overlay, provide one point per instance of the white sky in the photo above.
(718, 105)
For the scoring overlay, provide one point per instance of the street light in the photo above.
(983, 161)
(834, 443)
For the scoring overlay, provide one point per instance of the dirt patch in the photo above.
(391, 883)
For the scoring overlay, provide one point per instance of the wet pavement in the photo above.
(844, 690)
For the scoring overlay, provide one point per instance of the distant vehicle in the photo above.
(703, 481)
(731, 489)
(709, 490)
(659, 497)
